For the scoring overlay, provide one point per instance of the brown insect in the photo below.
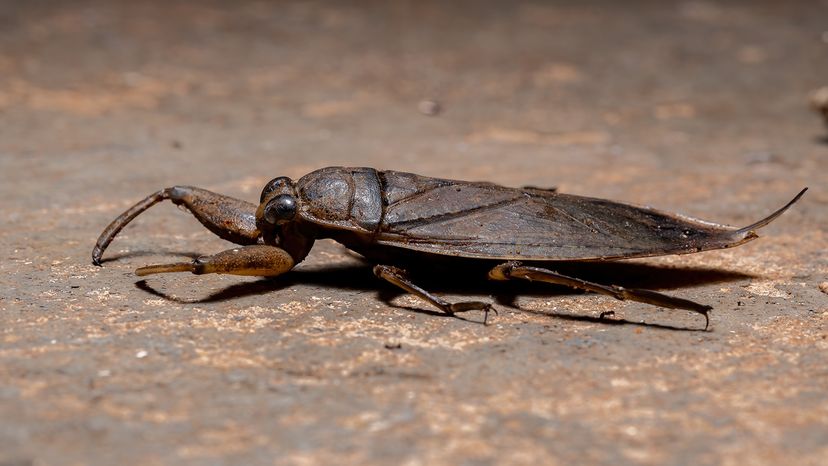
(390, 217)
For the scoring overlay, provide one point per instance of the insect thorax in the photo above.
(342, 197)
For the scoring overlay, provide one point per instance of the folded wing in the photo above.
(484, 220)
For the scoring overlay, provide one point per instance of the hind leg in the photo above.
(398, 277)
(516, 270)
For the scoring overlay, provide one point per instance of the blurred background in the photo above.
(567, 93)
(700, 107)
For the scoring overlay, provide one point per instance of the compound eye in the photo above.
(273, 185)
(280, 209)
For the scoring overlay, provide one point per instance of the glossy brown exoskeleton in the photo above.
(386, 215)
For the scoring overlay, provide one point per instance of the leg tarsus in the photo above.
(166, 268)
(398, 277)
(512, 270)
(472, 306)
(122, 220)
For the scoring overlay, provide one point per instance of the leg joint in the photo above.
(178, 194)
(503, 271)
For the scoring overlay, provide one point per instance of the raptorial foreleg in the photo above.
(229, 218)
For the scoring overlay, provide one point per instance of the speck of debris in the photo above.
(429, 107)
(819, 102)
(393, 346)
(823, 287)
(141, 354)
(819, 98)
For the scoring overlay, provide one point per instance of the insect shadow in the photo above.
(141, 253)
(358, 277)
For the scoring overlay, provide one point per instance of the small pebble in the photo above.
(819, 98)
(236, 377)
(429, 107)
(141, 354)
(819, 102)
(823, 287)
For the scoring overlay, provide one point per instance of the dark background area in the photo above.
(696, 107)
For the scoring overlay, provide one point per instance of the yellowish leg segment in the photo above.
(257, 260)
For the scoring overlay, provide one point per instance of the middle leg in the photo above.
(398, 277)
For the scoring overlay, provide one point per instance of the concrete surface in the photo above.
(695, 107)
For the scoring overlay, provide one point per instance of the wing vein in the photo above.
(415, 222)
(577, 220)
(416, 194)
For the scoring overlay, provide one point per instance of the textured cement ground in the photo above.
(695, 107)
